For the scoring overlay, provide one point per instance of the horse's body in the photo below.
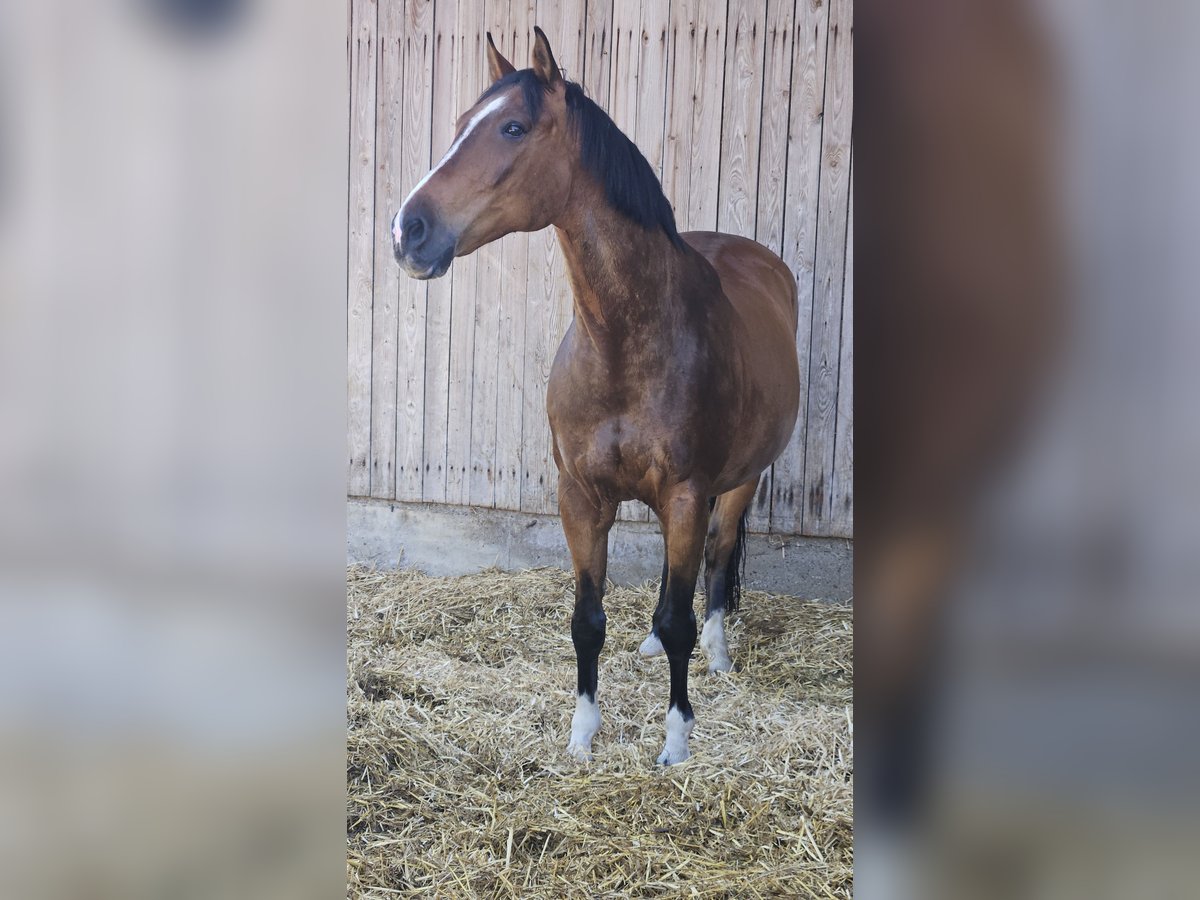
(676, 384)
(636, 388)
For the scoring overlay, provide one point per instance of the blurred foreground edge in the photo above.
(1006, 714)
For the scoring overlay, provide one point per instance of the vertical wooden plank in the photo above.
(416, 33)
(548, 305)
(677, 150)
(741, 116)
(439, 300)
(511, 24)
(482, 475)
(361, 243)
(594, 63)
(829, 270)
(390, 91)
(776, 74)
(626, 50)
(842, 494)
(708, 77)
(540, 481)
(650, 131)
(799, 234)
(467, 84)
(773, 133)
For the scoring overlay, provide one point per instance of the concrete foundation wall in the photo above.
(456, 540)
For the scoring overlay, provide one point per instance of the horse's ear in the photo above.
(498, 66)
(544, 65)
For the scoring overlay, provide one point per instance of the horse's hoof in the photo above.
(720, 664)
(651, 646)
(712, 642)
(669, 758)
(579, 752)
(584, 725)
(679, 730)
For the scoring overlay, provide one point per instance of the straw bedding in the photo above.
(460, 697)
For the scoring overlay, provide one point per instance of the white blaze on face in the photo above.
(712, 641)
(675, 750)
(476, 120)
(584, 725)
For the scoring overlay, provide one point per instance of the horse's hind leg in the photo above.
(723, 551)
(652, 646)
(586, 527)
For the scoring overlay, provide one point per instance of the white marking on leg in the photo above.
(675, 750)
(458, 142)
(712, 641)
(584, 725)
(651, 646)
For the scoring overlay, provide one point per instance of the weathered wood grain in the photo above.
(841, 514)
(439, 300)
(741, 117)
(772, 167)
(825, 342)
(360, 242)
(411, 342)
(708, 86)
(384, 318)
(680, 103)
(469, 68)
(803, 173)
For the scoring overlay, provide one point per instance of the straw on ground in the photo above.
(460, 696)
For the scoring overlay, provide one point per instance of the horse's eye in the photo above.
(514, 129)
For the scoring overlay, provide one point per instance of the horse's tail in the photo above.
(735, 568)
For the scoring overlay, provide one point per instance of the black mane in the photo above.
(614, 160)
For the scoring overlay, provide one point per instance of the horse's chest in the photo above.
(611, 454)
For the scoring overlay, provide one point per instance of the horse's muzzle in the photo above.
(422, 247)
(421, 269)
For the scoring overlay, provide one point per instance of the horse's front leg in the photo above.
(685, 520)
(586, 525)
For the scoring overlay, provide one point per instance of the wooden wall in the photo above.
(744, 107)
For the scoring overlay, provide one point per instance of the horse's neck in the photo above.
(626, 280)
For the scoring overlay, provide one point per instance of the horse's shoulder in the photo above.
(750, 274)
(729, 251)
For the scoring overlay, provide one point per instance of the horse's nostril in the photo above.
(414, 231)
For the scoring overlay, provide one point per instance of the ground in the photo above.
(460, 698)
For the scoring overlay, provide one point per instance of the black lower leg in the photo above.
(724, 571)
(662, 599)
(587, 633)
(679, 693)
(675, 625)
(715, 589)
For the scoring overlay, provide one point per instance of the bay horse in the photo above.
(676, 384)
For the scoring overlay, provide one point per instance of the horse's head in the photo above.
(507, 170)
